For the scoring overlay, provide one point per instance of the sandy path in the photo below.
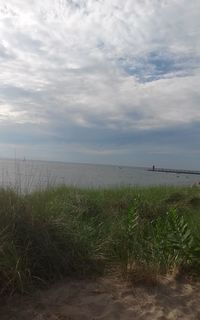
(107, 299)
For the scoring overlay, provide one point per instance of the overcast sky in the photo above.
(101, 81)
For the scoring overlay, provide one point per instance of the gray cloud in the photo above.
(105, 75)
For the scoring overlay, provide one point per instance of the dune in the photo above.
(107, 298)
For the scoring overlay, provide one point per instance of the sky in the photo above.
(101, 81)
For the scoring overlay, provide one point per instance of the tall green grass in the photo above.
(65, 231)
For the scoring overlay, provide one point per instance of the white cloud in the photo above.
(87, 62)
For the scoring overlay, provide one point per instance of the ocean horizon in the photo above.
(29, 175)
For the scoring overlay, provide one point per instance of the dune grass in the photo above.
(64, 231)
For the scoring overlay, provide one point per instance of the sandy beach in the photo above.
(108, 298)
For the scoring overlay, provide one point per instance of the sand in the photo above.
(107, 298)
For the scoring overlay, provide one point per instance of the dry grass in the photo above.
(63, 231)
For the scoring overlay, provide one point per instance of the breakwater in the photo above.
(175, 171)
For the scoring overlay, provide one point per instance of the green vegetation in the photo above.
(143, 232)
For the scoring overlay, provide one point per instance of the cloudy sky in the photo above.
(101, 81)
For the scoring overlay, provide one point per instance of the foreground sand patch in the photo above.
(107, 299)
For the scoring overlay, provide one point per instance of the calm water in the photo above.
(30, 175)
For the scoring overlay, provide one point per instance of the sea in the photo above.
(29, 175)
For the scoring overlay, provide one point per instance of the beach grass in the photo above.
(67, 231)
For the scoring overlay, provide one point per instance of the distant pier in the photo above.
(174, 171)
